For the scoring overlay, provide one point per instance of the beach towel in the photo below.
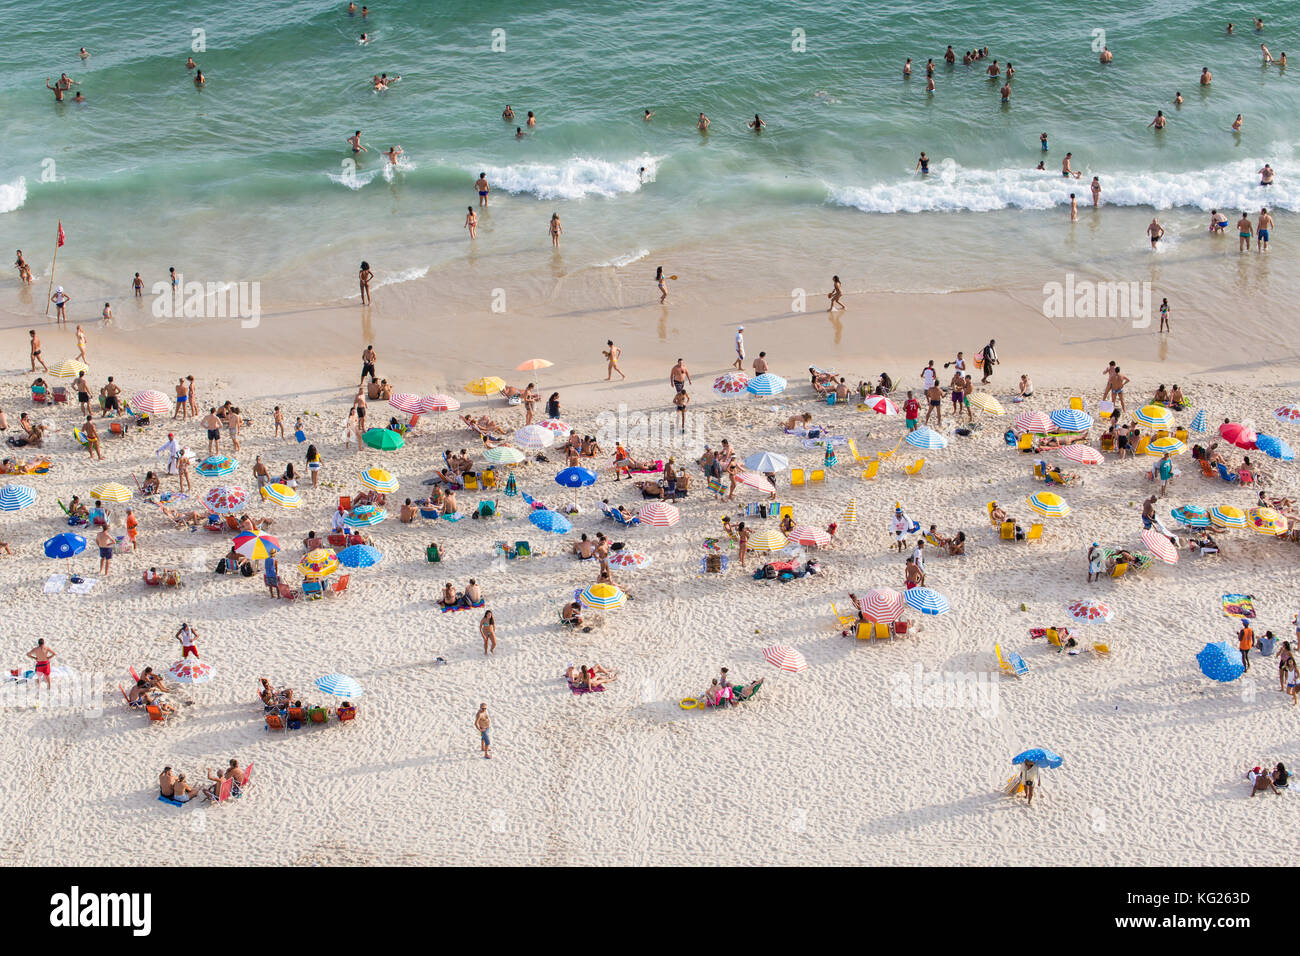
(464, 607)
(170, 801)
(55, 583)
(659, 466)
(82, 587)
(456, 517)
(1239, 605)
(585, 690)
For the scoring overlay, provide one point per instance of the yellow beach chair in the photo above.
(884, 632)
(1018, 669)
(787, 511)
(1035, 533)
(915, 467)
(1026, 442)
(882, 455)
(1142, 445)
(796, 477)
(989, 508)
(871, 470)
(818, 474)
(847, 621)
(1102, 649)
(1119, 570)
(1076, 403)
(1008, 531)
(853, 450)
(1038, 470)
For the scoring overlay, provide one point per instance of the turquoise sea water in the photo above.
(246, 178)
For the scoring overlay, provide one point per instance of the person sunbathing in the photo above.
(182, 519)
(624, 463)
(152, 680)
(78, 510)
(473, 596)
(449, 596)
(589, 677)
(936, 538)
(604, 576)
(1026, 386)
(1161, 396)
(1057, 477)
(1213, 455)
(1203, 543)
(998, 515)
(435, 496)
(584, 548)
(1245, 472)
(408, 512)
(957, 546)
(571, 614)
(1123, 556)
(152, 578)
(449, 502)
(650, 489)
(1261, 781)
(312, 541)
(150, 484)
(590, 447)
(1177, 399)
(271, 697)
(1057, 441)
(822, 382)
(787, 523)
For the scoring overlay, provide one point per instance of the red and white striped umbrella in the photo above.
(815, 537)
(883, 605)
(408, 403)
(659, 515)
(1160, 546)
(786, 658)
(1038, 423)
(1091, 611)
(150, 402)
(1083, 454)
(757, 482)
(880, 404)
(438, 403)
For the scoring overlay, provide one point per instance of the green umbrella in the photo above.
(384, 438)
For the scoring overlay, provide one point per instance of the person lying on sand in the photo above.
(822, 382)
(183, 519)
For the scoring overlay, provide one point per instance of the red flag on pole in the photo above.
(61, 236)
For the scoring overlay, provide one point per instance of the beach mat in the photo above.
(465, 607)
(55, 583)
(82, 587)
(585, 690)
(1239, 605)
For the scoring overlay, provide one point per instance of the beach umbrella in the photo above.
(16, 497)
(216, 466)
(150, 402)
(1267, 521)
(1198, 422)
(555, 425)
(786, 658)
(551, 521)
(1049, 504)
(576, 477)
(364, 515)
(850, 515)
(731, 383)
(534, 436)
(485, 386)
(383, 438)
(757, 482)
(603, 597)
(881, 404)
(69, 368)
(924, 437)
(1239, 434)
(1160, 546)
(1041, 756)
(812, 537)
(767, 539)
(504, 455)
(765, 462)
(185, 671)
(629, 559)
(339, 685)
(1227, 516)
(926, 600)
(407, 402)
(1194, 516)
(883, 605)
(1035, 423)
(318, 563)
(255, 545)
(659, 514)
(987, 403)
(1157, 416)
(111, 491)
(65, 545)
(1071, 420)
(282, 495)
(533, 365)
(224, 500)
(438, 403)
(766, 384)
(1288, 413)
(1092, 612)
(1169, 445)
(1220, 662)
(380, 479)
(360, 556)
(1083, 454)
(1274, 447)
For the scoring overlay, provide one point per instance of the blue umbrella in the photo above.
(360, 556)
(1272, 446)
(766, 384)
(576, 477)
(1040, 756)
(16, 497)
(926, 600)
(1071, 420)
(339, 685)
(65, 545)
(1220, 662)
(1198, 423)
(551, 521)
(925, 437)
(767, 462)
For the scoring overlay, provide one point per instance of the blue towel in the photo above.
(174, 803)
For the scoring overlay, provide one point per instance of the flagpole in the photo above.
(49, 294)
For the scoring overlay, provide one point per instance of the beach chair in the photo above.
(1008, 531)
(745, 691)
(286, 593)
(1225, 474)
(345, 502)
(796, 477)
(1038, 470)
(224, 790)
(346, 714)
(38, 394)
(1025, 443)
(717, 487)
(319, 715)
(245, 782)
(620, 520)
(1207, 469)
(1107, 442)
(1102, 649)
(1141, 448)
(853, 450)
(155, 713)
(471, 481)
(816, 475)
(989, 509)
(487, 509)
(787, 511)
(1076, 403)
(871, 471)
(883, 632)
(274, 722)
(296, 718)
(432, 555)
(523, 549)
(883, 455)
(1035, 532)
(915, 467)
(340, 585)
(1010, 663)
(1181, 434)
(1120, 569)
(59, 394)
(847, 621)
(313, 590)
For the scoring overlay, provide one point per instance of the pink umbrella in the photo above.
(438, 403)
(1238, 434)
(785, 657)
(659, 515)
(880, 404)
(1083, 454)
(557, 426)
(1037, 423)
(1160, 546)
(1091, 611)
(757, 482)
(408, 403)
(815, 537)
(883, 605)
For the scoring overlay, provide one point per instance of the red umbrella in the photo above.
(1160, 546)
(757, 482)
(883, 605)
(810, 536)
(1240, 435)
(785, 657)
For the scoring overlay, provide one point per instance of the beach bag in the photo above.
(300, 435)
(246, 569)
(1009, 436)
(769, 571)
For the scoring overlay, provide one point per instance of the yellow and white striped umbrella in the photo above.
(111, 491)
(987, 403)
(380, 479)
(69, 368)
(282, 495)
(768, 539)
(851, 512)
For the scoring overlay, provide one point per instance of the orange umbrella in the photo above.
(532, 365)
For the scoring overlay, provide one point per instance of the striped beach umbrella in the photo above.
(1288, 413)
(786, 658)
(1093, 612)
(1243, 436)
(1160, 546)
(603, 597)
(438, 403)
(809, 536)
(926, 600)
(407, 402)
(533, 365)
(16, 497)
(1274, 447)
(360, 556)
(850, 515)
(731, 383)
(1157, 416)
(380, 479)
(1169, 445)
(881, 404)
(924, 437)
(485, 386)
(363, 516)
(551, 521)
(765, 462)
(318, 563)
(767, 539)
(69, 368)
(281, 495)
(1049, 504)
(766, 384)
(1267, 521)
(1227, 516)
(534, 437)
(150, 402)
(111, 491)
(339, 685)
(384, 439)
(1071, 420)
(503, 455)
(659, 514)
(217, 466)
(883, 605)
(555, 425)
(630, 559)
(1198, 422)
(757, 482)
(987, 403)
(187, 671)
(256, 545)
(224, 500)
(1083, 454)
(1194, 516)
(1035, 423)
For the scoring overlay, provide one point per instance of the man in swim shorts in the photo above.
(1155, 231)
(1261, 230)
(483, 724)
(105, 542)
(213, 424)
(482, 187)
(368, 358)
(1244, 232)
(42, 654)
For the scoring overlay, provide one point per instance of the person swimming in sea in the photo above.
(1042, 138)
(355, 142)
(393, 152)
(756, 124)
(508, 114)
(1159, 121)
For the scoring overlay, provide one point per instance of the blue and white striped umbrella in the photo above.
(1071, 420)
(1198, 423)
(576, 477)
(766, 384)
(16, 497)
(339, 685)
(925, 437)
(360, 556)
(1274, 447)
(926, 600)
(551, 521)
(767, 462)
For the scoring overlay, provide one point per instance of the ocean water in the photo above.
(250, 178)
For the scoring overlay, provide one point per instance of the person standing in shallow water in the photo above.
(364, 276)
(555, 229)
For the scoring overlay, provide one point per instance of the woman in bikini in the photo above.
(555, 229)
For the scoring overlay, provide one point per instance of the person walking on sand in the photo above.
(739, 364)
(363, 277)
(742, 543)
(1116, 383)
(1164, 316)
(104, 540)
(1029, 778)
(487, 628)
(989, 355)
(555, 229)
(91, 434)
(1245, 641)
(612, 355)
(81, 343)
(482, 723)
(187, 635)
(368, 359)
(481, 184)
(36, 350)
(679, 376)
(836, 294)
(1244, 232)
(42, 654)
(471, 222)
(183, 471)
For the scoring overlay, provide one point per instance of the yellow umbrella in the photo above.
(318, 563)
(1169, 445)
(987, 403)
(1157, 416)
(111, 491)
(1048, 504)
(1228, 516)
(1267, 521)
(485, 386)
(69, 368)
(282, 495)
(768, 539)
